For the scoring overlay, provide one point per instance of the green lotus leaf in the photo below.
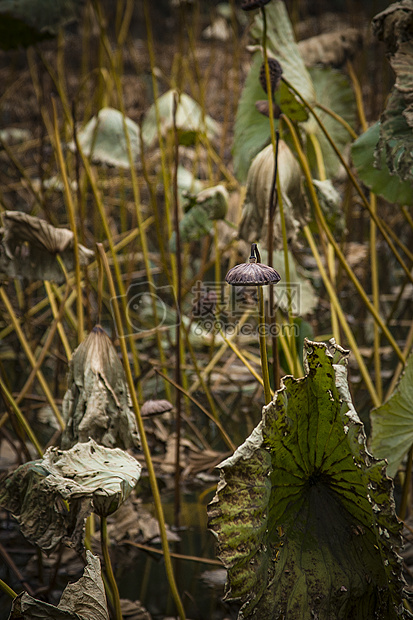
(52, 497)
(376, 175)
(392, 423)
(83, 600)
(281, 44)
(334, 91)
(303, 514)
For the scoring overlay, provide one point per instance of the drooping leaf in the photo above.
(304, 515)
(331, 48)
(331, 204)
(392, 423)
(88, 477)
(376, 176)
(394, 26)
(83, 600)
(25, 22)
(254, 221)
(97, 403)
(103, 139)
(189, 119)
(28, 247)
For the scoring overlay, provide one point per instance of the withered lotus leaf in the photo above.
(97, 403)
(83, 600)
(51, 497)
(29, 245)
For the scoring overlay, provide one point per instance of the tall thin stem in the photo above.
(263, 346)
(108, 567)
(142, 434)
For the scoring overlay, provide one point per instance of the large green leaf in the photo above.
(282, 45)
(252, 129)
(83, 600)
(51, 497)
(303, 514)
(392, 423)
(334, 91)
(376, 176)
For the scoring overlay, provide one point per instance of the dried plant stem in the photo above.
(263, 346)
(19, 415)
(227, 343)
(322, 222)
(280, 200)
(407, 484)
(141, 429)
(104, 541)
(342, 318)
(7, 589)
(376, 299)
(58, 316)
(45, 349)
(136, 193)
(223, 432)
(118, 274)
(354, 182)
(73, 226)
(400, 366)
(30, 357)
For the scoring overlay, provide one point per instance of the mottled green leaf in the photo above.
(392, 423)
(376, 175)
(333, 90)
(304, 516)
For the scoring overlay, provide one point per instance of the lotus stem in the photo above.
(19, 415)
(30, 357)
(263, 346)
(108, 567)
(354, 182)
(142, 434)
(73, 226)
(280, 201)
(342, 318)
(304, 165)
(7, 589)
(407, 483)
